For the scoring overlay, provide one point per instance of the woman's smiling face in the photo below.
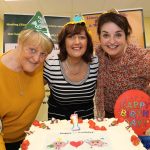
(31, 57)
(112, 40)
(76, 45)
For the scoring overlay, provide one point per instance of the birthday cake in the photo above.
(109, 134)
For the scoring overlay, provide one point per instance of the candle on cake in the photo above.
(74, 118)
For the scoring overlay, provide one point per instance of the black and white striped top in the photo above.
(67, 97)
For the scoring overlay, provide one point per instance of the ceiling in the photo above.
(69, 7)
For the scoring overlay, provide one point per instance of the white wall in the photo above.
(43, 112)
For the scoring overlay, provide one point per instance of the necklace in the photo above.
(72, 70)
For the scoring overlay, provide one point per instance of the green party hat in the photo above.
(38, 23)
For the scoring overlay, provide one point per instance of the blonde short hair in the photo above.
(36, 38)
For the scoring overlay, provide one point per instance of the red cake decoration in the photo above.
(93, 125)
(25, 144)
(135, 140)
(76, 143)
(40, 125)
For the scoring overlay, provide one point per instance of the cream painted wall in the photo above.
(43, 111)
(1, 36)
(147, 31)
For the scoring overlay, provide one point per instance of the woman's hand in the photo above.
(148, 89)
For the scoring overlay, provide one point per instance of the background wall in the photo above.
(147, 30)
(1, 35)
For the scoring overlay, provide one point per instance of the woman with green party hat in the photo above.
(72, 74)
(21, 77)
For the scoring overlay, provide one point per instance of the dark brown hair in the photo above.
(72, 29)
(118, 19)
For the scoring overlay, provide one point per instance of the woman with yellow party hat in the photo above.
(72, 74)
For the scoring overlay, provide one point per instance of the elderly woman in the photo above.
(22, 87)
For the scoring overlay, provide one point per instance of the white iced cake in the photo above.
(109, 134)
